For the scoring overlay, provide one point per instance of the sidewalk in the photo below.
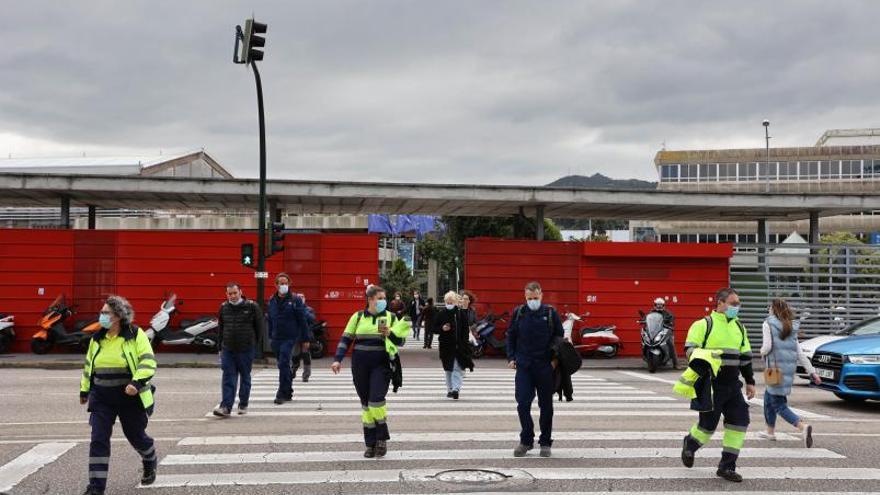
(411, 357)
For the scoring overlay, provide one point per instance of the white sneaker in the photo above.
(763, 435)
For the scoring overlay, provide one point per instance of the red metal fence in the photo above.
(37, 265)
(611, 281)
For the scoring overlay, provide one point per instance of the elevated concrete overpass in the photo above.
(301, 197)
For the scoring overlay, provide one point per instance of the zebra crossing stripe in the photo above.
(435, 398)
(452, 436)
(538, 474)
(484, 454)
(450, 406)
(30, 462)
(509, 412)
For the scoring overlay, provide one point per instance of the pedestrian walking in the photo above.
(782, 353)
(302, 355)
(416, 309)
(374, 335)
(240, 323)
(533, 329)
(116, 383)
(288, 330)
(428, 315)
(451, 324)
(468, 299)
(397, 306)
(723, 332)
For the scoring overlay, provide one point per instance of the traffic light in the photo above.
(251, 50)
(247, 255)
(277, 241)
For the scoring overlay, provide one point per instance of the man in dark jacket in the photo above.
(451, 325)
(288, 329)
(240, 322)
(428, 315)
(530, 338)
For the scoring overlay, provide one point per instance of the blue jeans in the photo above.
(283, 350)
(778, 405)
(236, 367)
(453, 378)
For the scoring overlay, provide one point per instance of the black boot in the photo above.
(149, 473)
(687, 456)
(730, 475)
(370, 452)
(90, 490)
(381, 448)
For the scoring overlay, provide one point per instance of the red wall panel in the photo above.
(144, 266)
(611, 281)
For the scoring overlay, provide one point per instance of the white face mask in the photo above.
(534, 304)
(450, 306)
(283, 289)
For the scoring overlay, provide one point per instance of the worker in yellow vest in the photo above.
(722, 331)
(116, 382)
(374, 335)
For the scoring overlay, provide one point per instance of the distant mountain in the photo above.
(599, 181)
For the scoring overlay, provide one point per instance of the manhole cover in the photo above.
(471, 476)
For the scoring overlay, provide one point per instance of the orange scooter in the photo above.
(52, 331)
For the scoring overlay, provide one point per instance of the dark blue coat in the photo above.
(286, 319)
(531, 335)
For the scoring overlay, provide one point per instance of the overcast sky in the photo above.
(438, 91)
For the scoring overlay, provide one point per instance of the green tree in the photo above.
(398, 279)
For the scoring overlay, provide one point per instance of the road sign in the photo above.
(261, 274)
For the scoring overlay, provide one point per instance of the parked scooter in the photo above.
(201, 332)
(655, 340)
(52, 330)
(318, 344)
(598, 341)
(7, 332)
(485, 335)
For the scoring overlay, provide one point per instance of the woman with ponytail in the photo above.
(781, 350)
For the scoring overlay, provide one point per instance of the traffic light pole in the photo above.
(261, 233)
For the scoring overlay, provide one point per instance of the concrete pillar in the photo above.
(433, 277)
(762, 241)
(539, 222)
(93, 217)
(814, 227)
(65, 212)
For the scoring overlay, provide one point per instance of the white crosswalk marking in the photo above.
(306, 460)
(30, 462)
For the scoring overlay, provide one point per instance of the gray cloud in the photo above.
(459, 91)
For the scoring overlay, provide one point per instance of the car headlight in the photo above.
(864, 359)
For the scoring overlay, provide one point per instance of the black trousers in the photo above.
(536, 378)
(371, 373)
(728, 401)
(134, 425)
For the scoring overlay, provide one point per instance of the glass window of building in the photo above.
(809, 170)
(726, 171)
(829, 169)
(669, 173)
(688, 238)
(788, 170)
(708, 172)
(851, 169)
(767, 170)
(748, 171)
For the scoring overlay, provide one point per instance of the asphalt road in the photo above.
(622, 433)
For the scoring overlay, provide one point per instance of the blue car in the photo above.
(850, 367)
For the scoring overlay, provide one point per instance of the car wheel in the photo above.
(850, 398)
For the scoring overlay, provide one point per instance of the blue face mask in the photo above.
(381, 305)
(105, 321)
(534, 304)
(732, 311)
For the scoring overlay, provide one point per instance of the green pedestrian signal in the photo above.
(247, 255)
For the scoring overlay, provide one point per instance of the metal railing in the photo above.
(831, 286)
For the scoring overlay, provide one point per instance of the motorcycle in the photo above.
(52, 330)
(655, 340)
(597, 341)
(201, 332)
(318, 344)
(7, 332)
(484, 335)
